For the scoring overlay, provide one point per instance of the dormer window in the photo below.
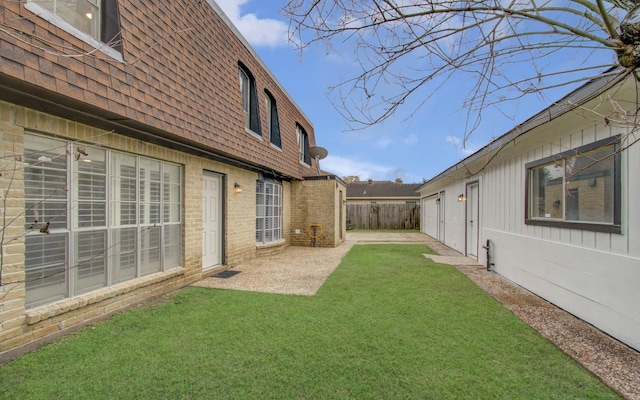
(249, 101)
(273, 125)
(303, 145)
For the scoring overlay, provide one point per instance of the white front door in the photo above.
(211, 221)
(472, 220)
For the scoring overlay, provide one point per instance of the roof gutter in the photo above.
(576, 98)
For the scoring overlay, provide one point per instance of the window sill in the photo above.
(60, 307)
(277, 243)
(584, 226)
(276, 147)
(254, 134)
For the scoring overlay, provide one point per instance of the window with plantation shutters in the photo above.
(95, 218)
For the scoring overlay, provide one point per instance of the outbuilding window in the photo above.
(577, 189)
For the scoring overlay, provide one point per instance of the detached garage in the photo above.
(556, 198)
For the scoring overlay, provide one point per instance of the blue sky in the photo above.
(413, 149)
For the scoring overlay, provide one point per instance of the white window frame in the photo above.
(301, 134)
(268, 211)
(55, 19)
(267, 107)
(245, 89)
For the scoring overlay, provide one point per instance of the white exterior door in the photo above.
(441, 214)
(430, 216)
(472, 220)
(211, 221)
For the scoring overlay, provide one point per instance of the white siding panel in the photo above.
(599, 287)
(632, 185)
(589, 239)
(603, 241)
(576, 237)
(565, 235)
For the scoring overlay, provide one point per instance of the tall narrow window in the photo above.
(268, 211)
(96, 18)
(303, 145)
(46, 204)
(90, 218)
(272, 120)
(249, 100)
(577, 189)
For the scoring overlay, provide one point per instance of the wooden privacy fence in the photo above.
(383, 216)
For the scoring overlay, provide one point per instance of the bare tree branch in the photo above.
(407, 50)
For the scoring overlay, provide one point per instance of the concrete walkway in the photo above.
(303, 270)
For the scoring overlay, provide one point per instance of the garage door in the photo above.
(430, 216)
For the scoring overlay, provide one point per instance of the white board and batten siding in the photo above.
(593, 275)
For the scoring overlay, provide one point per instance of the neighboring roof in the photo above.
(381, 189)
(578, 97)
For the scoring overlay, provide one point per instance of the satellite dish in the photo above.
(318, 153)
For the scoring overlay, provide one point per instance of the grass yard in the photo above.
(387, 324)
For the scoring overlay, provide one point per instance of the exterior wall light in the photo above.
(237, 188)
(461, 197)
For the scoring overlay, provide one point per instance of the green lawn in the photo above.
(387, 324)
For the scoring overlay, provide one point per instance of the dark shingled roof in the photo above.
(379, 189)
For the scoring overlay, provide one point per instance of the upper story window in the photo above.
(249, 101)
(578, 189)
(303, 145)
(94, 21)
(273, 126)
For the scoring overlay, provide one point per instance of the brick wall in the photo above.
(22, 329)
(178, 78)
(177, 83)
(315, 201)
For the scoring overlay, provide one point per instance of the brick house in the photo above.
(143, 148)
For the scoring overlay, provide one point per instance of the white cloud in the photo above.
(466, 149)
(383, 143)
(258, 31)
(411, 139)
(345, 167)
(342, 167)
